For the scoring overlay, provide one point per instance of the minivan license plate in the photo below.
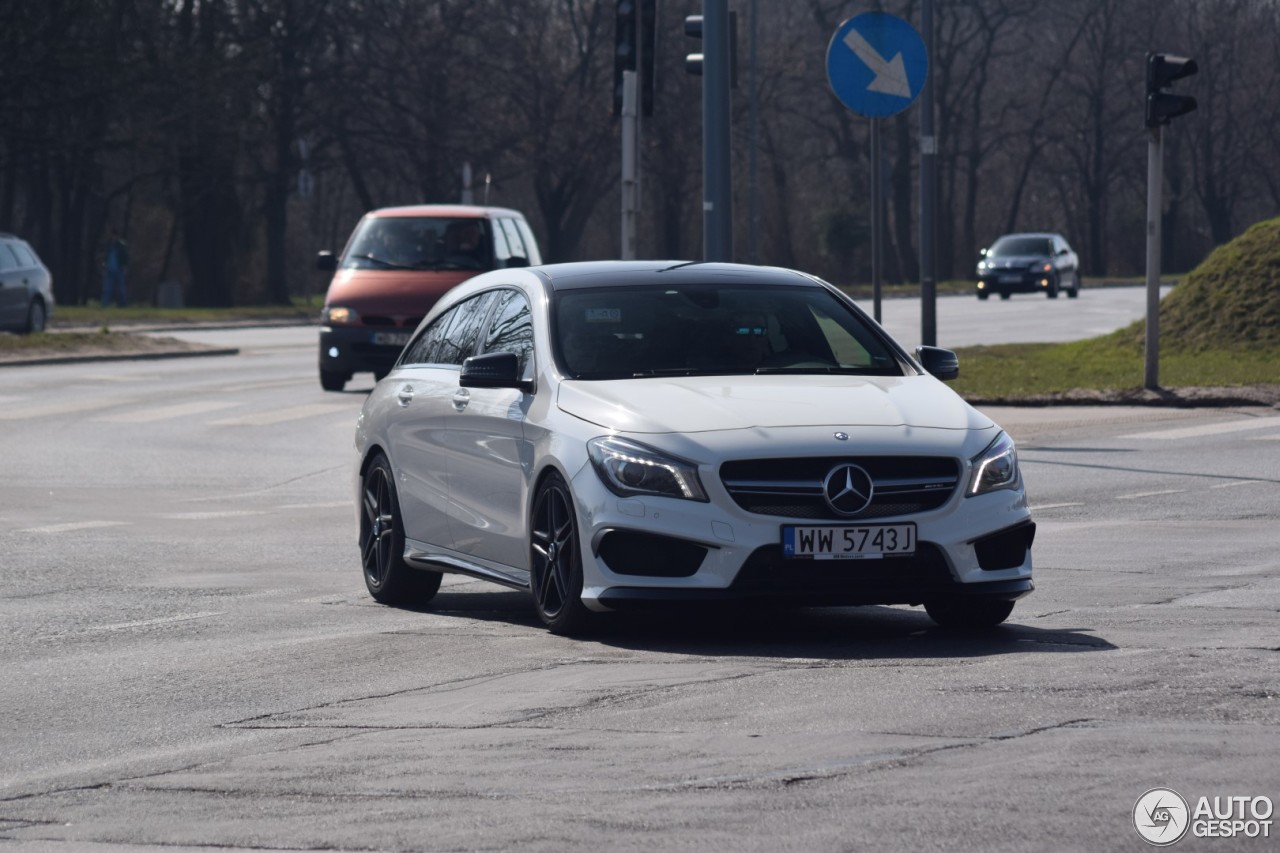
(868, 542)
(397, 339)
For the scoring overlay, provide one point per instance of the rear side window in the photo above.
(26, 257)
(8, 260)
(451, 337)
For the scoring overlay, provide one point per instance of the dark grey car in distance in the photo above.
(1029, 263)
(26, 287)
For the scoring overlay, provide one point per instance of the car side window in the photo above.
(451, 337)
(530, 244)
(511, 329)
(26, 257)
(501, 250)
(8, 260)
(514, 238)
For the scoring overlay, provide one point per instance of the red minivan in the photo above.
(398, 262)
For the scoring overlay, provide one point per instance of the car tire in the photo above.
(1052, 292)
(983, 295)
(555, 558)
(1075, 286)
(968, 613)
(1004, 294)
(333, 380)
(36, 317)
(386, 575)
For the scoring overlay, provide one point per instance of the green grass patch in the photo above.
(72, 343)
(97, 316)
(1022, 371)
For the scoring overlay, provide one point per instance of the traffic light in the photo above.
(1162, 70)
(693, 29)
(693, 61)
(634, 25)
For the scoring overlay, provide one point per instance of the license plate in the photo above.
(869, 542)
(397, 339)
(1010, 279)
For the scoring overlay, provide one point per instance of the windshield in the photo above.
(418, 243)
(708, 330)
(1020, 246)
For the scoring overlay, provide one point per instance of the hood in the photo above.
(392, 293)
(705, 403)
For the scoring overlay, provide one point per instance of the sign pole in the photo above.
(1155, 187)
(717, 201)
(928, 188)
(877, 216)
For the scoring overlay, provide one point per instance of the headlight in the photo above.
(1040, 266)
(994, 468)
(630, 468)
(339, 316)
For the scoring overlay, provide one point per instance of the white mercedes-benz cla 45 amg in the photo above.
(620, 434)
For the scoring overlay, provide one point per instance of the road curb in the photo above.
(127, 356)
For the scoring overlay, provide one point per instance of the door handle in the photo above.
(461, 398)
(405, 396)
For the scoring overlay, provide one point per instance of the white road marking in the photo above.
(163, 413)
(1210, 429)
(201, 516)
(1236, 483)
(58, 409)
(1053, 506)
(328, 505)
(1264, 438)
(145, 623)
(292, 413)
(72, 526)
(1149, 494)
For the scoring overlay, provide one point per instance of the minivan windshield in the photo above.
(709, 330)
(420, 243)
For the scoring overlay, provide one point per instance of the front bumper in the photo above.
(355, 349)
(637, 552)
(1015, 282)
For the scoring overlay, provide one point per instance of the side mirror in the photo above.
(492, 370)
(942, 363)
(326, 262)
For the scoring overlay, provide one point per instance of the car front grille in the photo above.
(792, 488)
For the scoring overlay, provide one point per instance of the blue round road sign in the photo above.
(876, 64)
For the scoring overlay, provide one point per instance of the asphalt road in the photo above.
(191, 661)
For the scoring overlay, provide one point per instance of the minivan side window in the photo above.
(530, 244)
(451, 337)
(514, 238)
(501, 251)
(511, 329)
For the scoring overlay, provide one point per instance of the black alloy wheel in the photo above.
(555, 561)
(35, 317)
(388, 578)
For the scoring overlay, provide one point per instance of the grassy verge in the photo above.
(96, 316)
(1030, 371)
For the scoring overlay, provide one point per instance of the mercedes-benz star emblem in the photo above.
(848, 489)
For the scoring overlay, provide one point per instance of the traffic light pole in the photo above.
(1155, 202)
(717, 198)
(630, 181)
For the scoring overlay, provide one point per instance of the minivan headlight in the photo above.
(339, 316)
(994, 468)
(628, 468)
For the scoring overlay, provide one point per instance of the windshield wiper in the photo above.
(691, 371)
(383, 261)
(832, 369)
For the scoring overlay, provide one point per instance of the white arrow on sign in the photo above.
(890, 74)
